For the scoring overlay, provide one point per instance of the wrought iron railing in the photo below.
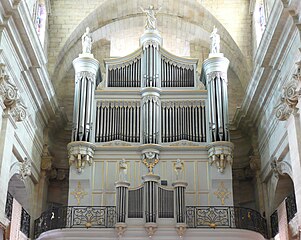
(291, 207)
(25, 222)
(226, 217)
(9, 206)
(75, 217)
(274, 224)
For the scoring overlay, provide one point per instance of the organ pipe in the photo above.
(117, 121)
(183, 121)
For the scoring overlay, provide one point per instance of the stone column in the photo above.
(150, 202)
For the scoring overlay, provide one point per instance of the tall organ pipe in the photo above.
(85, 78)
(216, 71)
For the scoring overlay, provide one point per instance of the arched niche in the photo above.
(17, 188)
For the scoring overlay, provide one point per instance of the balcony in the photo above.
(197, 218)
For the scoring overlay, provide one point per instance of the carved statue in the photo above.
(179, 168)
(151, 20)
(215, 41)
(87, 41)
(123, 170)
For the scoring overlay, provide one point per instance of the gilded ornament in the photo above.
(79, 193)
(222, 193)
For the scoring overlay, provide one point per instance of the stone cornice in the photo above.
(280, 32)
(21, 32)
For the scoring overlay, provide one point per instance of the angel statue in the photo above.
(151, 20)
(123, 170)
(87, 41)
(215, 41)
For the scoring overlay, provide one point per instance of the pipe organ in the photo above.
(151, 105)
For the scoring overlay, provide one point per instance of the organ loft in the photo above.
(151, 109)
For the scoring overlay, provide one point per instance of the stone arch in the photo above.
(284, 188)
(20, 189)
(184, 13)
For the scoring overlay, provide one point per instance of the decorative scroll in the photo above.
(226, 217)
(10, 96)
(183, 120)
(116, 120)
(127, 74)
(175, 74)
(135, 203)
(289, 97)
(25, 169)
(165, 203)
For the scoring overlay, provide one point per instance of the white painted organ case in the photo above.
(151, 104)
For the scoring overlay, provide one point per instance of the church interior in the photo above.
(150, 119)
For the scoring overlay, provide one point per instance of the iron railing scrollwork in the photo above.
(25, 222)
(75, 217)
(274, 224)
(249, 219)
(9, 206)
(291, 207)
(226, 217)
